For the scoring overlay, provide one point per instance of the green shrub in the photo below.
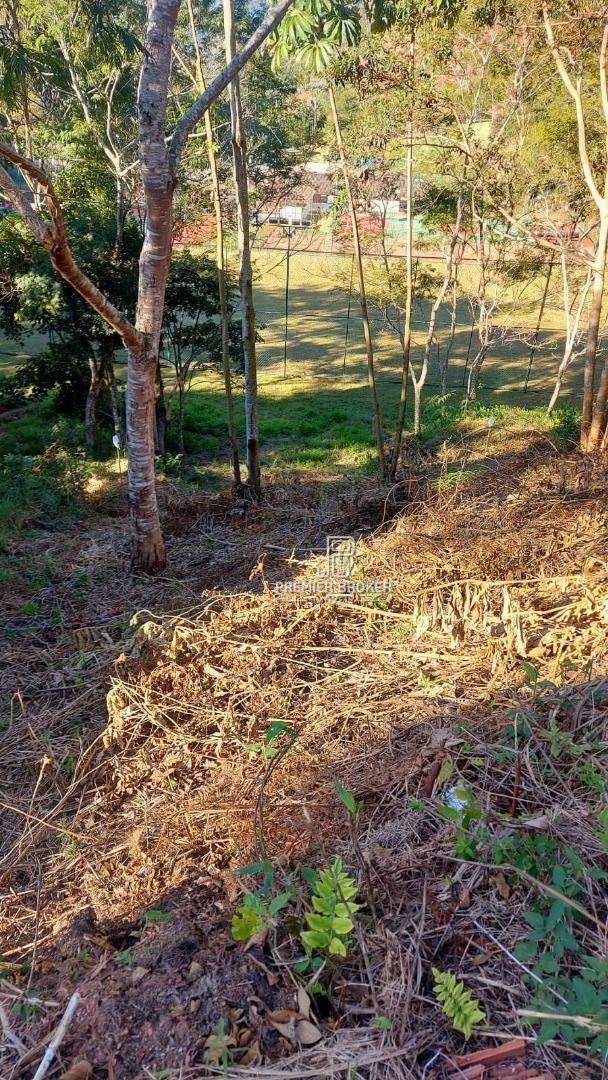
(12, 392)
(38, 489)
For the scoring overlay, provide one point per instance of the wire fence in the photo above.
(310, 326)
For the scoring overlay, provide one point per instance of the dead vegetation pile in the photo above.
(465, 713)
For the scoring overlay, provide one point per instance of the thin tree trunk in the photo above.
(115, 404)
(409, 283)
(572, 327)
(220, 261)
(160, 414)
(594, 416)
(445, 284)
(539, 321)
(90, 409)
(445, 361)
(483, 317)
(474, 370)
(371, 374)
(120, 214)
(180, 419)
(148, 549)
(239, 155)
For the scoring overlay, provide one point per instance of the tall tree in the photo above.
(159, 160)
(239, 156)
(595, 174)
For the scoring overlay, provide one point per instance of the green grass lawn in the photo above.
(318, 343)
(317, 419)
(324, 341)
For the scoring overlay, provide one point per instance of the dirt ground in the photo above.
(135, 784)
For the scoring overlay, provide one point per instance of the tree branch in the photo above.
(19, 199)
(575, 94)
(603, 79)
(215, 88)
(54, 239)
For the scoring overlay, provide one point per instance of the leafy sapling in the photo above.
(458, 1004)
(330, 923)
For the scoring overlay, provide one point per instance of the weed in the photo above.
(268, 748)
(458, 1004)
(218, 1046)
(460, 807)
(155, 915)
(330, 922)
(348, 800)
(256, 915)
(449, 480)
(69, 849)
(29, 1007)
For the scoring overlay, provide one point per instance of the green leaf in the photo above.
(337, 947)
(531, 673)
(154, 915)
(314, 939)
(342, 926)
(245, 923)
(278, 903)
(382, 1023)
(277, 728)
(346, 798)
(318, 922)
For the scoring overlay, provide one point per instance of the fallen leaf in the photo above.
(283, 1016)
(80, 1070)
(253, 1055)
(215, 673)
(303, 1003)
(307, 1034)
(502, 885)
(288, 1030)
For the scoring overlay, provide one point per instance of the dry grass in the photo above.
(165, 798)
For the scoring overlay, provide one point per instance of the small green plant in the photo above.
(460, 807)
(534, 853)
(155, 915)
(458, 1004)
(29, 1007)
(330, 924)
(348, 800)
(256, 915)
(268, 747)
(584, 1016)
(219, 1046)
(382, 1023)
(69, 849)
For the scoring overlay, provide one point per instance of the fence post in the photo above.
(543, 303)
(287, 231)
(350, 296)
